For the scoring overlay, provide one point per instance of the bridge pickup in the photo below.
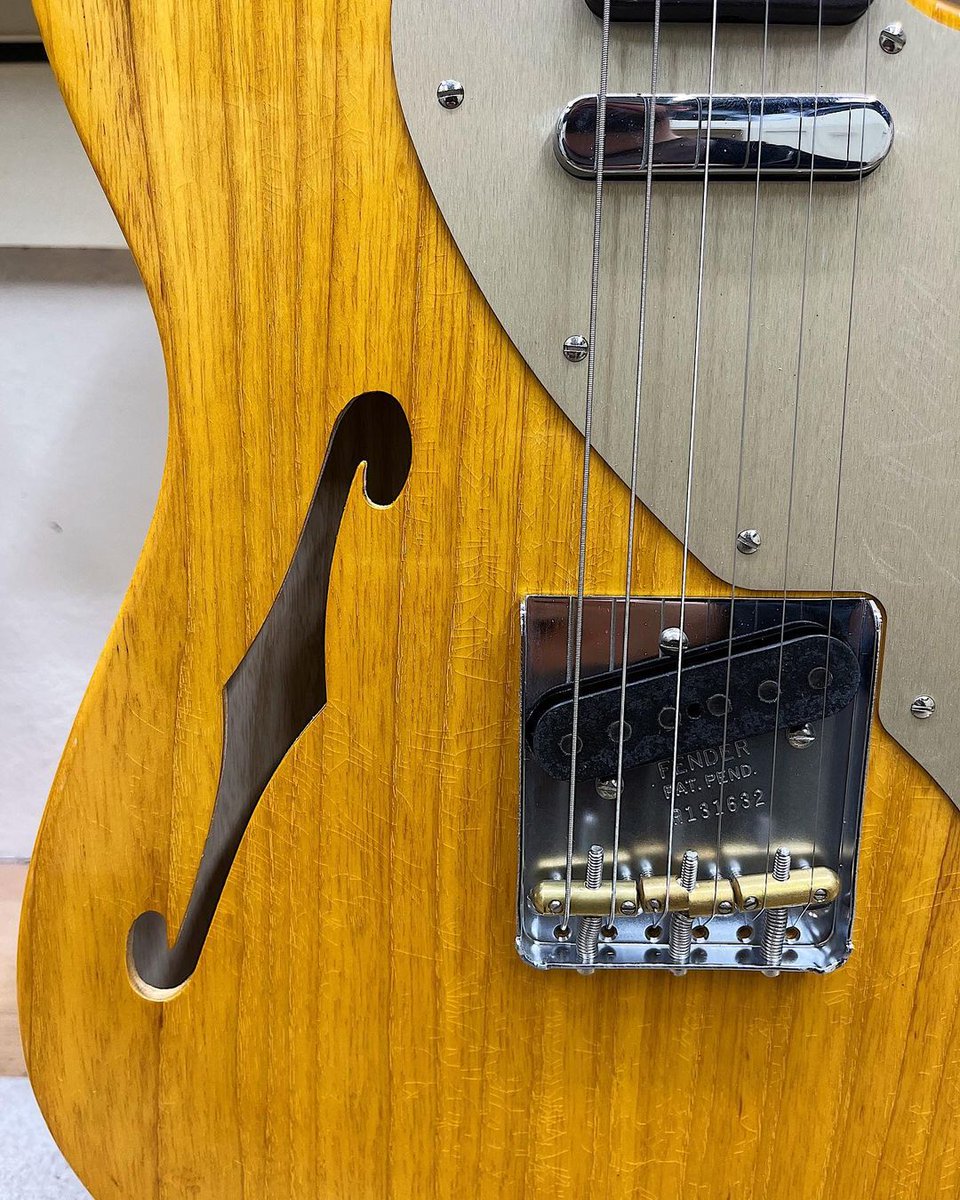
(806, 676)
(839, 136)
(781, 12)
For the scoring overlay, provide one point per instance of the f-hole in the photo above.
(280, 684)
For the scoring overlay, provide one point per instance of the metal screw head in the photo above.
(800, 737)
(820, 895)
(450, 93)
(750, 902)
(607, 789)
(892, 38)
(725, 907)
(749, 541)
(576, 348)
(555, 906)
(628, 908)
(672, 639)
(923, 707)
(655, 905)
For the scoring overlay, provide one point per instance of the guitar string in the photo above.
(631, 523)
(600, 147)
(843, 429)
(793, 452)
(690, 458)
(751, 287)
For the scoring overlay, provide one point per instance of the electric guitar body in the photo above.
(270, 939)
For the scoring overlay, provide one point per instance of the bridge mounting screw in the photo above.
(589, 936)
(672, 639)
(749, 541)
(576, 348)
(923, 707)
(775, 928)
(800, 737)
(681, 936)
(892, 38)
(450, 93)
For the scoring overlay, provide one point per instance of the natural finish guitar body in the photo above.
(360, 1023)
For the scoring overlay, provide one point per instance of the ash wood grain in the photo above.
(13, 877)
(361, 1024)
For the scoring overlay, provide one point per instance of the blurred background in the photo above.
(82, 437)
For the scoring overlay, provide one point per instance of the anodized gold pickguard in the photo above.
(342, 1037)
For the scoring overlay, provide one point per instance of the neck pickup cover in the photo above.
(835, 136)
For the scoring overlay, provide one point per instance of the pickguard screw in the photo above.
(607, 789)
(749, 541)
(681, 935)
(450, 93)
(892, 38)
(576, 348)
(589, 936)
(672, 639)
(923, 707)
(801, 736)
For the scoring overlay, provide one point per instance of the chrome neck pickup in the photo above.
(786, 136)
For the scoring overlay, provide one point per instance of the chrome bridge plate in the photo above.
(737, 802)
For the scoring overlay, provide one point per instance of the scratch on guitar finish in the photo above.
(280, 685)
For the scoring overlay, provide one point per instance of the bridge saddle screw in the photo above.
(892, 38)
(588, 938)
(749, 541)
(576, 348)
(775, 928)
(681, 926)
(923, 707)
(450, 93)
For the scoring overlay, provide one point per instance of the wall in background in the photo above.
(83, 414)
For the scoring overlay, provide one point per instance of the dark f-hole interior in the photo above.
(280, 684)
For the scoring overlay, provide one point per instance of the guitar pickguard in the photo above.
(860, 448)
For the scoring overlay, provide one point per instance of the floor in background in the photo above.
(31, 1166)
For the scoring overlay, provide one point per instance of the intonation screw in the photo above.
(892, 38)
(775, 927)
(680, 923)
(450, 93)
(576, 348)
(589, 936)
(749, 541)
